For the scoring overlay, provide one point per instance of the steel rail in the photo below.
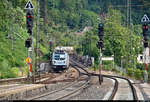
(78, 65)
(81, 87)
(49, 93)
(115, 89)
(116, 83)
(65, 87)
(46, 78)
(131, 85)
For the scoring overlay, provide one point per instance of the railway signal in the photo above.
(29, 20)
(100, 35)
(145, 20)
(145, 44)
(101, 30)
(28, 43)
(100, 46)
(145, 29)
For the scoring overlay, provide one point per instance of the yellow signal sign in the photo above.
(28, 60)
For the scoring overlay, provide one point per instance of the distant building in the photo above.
(142, 58)
(107, 58)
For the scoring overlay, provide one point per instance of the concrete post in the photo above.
(146, 52)
(100, 68)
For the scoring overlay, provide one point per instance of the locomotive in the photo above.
(60, 60)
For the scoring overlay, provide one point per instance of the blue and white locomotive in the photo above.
(60, 60)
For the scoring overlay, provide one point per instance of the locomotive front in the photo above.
(60, 60)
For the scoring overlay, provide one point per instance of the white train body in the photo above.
(60, 60)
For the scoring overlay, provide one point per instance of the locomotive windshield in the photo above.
(59, 57)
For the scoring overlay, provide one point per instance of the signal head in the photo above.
(101, 30)
(145, 44)
(28, 42)
(145, 27)
(101, 25)
(100, 44)
(29, 21)
(28, 16)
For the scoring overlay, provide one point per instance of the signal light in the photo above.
(145, 44)
(28, 42)
(31, 17)
(29, 31)
(145, 28)
(145, 38)
(100, 44)
(29, 21)
(100, 27)
(101, 31)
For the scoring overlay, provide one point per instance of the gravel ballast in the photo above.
(94, 91)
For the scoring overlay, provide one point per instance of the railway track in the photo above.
(23, 80)
(50, 78)
(124, 88)
(12, 80)
(117, 85)
(69, 90)
(59, 94)
(120, 88)
(76, 85)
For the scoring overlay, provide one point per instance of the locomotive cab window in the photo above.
(60, 57)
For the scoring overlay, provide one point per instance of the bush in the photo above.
(107, 62)
(138, 74)
(107, 67)
(140, 66)
(130, 71)
(14, 72)
(24, 71)
(115, 70)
